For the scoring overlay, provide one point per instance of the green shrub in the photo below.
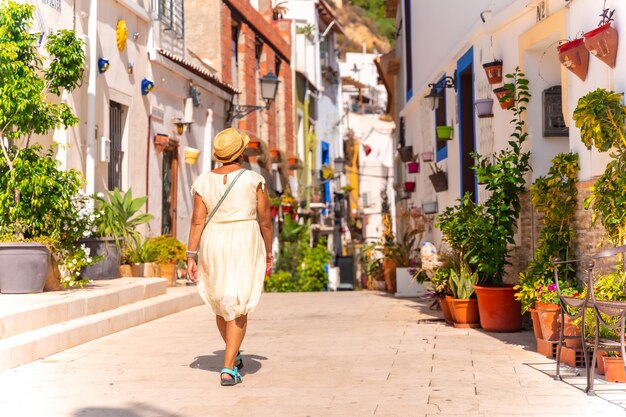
(165, 249)
(313, 274)
(281, 281)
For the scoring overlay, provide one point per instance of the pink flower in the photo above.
(552, 287)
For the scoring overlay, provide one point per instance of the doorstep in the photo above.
(87, 314)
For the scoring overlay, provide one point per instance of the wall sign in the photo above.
(55, 4)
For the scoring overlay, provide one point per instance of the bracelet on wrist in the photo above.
(192, 253)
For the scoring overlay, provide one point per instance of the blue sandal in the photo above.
(234, 373)
(239, 361)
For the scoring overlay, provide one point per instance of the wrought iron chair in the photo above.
(573, 308)
(608, 314)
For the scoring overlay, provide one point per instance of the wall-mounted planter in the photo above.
(409, 186)
(275, 156)
(253, 148)
(191, 155)
(494, 71)
(367, 149)
(161, 141)
(575, 57)
(413, 167)
(293, 162)
(430, 207)
(484, 107)
(444, 132)
(602, 43)
(439, 180)
(406, 153)
(500, 93)
(428, 156)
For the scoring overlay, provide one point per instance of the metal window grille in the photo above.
(116, 129)
(172, 16)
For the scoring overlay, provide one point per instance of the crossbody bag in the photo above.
(219, 203)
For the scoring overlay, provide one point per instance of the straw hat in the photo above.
(229, 144)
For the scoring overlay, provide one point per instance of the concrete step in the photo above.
(39, 343)
(22, 313)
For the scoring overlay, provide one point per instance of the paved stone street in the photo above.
(309, 354)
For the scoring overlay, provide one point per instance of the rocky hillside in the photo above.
(359, 29)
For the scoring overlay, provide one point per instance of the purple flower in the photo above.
(552, 287)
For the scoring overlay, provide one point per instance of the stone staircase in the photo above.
(33, 326)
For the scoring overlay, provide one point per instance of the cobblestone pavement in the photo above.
(306, 354)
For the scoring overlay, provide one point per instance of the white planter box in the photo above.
(406, 286)
(333, 278)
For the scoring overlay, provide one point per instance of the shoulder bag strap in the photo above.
(219, 203)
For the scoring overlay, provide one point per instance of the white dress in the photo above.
(231, 254)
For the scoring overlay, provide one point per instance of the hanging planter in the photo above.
(409, 186)
(103, 65)
(439, 180)
(444, 132)
(575, 57)
(429, 207)
(413, 167)
(494, 71)
(191, 155)
(602, 43)
(367, 149)
(293, 162)
(275, 156)
(161, 141)
(406, 153)
(500, 93)
(253, 148)
(274, 211)
(146, 86)
(484, 107)
(428, 156)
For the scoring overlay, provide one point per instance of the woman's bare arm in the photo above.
(195, 231)
(265, 219)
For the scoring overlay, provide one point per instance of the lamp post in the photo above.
(445, 82)
(269, 87)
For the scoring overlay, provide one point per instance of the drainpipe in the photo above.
(91, 141)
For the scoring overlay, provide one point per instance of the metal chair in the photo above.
(573, 308)
(603, 310)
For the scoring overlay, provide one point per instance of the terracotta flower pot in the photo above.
(600, 362)
(534, 315)
(275, 156)
(406, 153)
(409, 186)
(500, 93)
(439, 181)
(293, 162)
(498, 309)
(253, 148)
(445, 309)
(602, 43)
(614, 369)
(413, 167)
(449, 302)
(549, 320)
(389, 272)
(575, 57)
(572, 330)
(493, 70)
(168, 271)
(484, 107)
(465, 313)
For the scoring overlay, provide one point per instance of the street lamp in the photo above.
(269, 87)
(445, 82)
(340, 165)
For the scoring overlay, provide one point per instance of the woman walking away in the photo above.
(230, 235)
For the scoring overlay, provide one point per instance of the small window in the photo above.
(172, 16)
(553, 120)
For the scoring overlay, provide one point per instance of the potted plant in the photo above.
(554, 197)
(389, 266)
(406, 153)
(444, 132)
(438, 178)
(402, 253)
(413, 166)
(167, 252)
(464, 307)
(409, 186)
(275, 156)
(279, 10)
(505, 98)
(294, 162)
(141, 260)
(602, 41)
(428, 156)
(288, 202)
(253, 148)
(41, 207)
(430, 207)
(484, 107)
(275, 202)
(575, 57)
(116, 220)
(493, 70)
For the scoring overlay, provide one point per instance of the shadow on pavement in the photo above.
(214, 362)
(133, 410)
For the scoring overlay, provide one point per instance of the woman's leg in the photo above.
(221, 326)
(235, 332)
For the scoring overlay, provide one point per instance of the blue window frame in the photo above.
(326, 161)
